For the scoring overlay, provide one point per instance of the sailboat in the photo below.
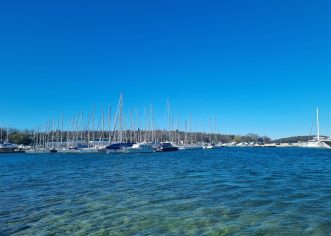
(188, 143)
(212, 144)
(318, 141)
(119, 146)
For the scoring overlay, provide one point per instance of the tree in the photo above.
(266, 139)
(20, 138)
(237, 139)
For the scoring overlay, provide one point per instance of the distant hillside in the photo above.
(295, 139)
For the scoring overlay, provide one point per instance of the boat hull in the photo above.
(190, 148)
(168, 149)
(137, 150)
(11, 151)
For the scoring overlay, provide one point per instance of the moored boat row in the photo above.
(80, 135)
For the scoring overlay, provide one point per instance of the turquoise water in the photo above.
(232, 191)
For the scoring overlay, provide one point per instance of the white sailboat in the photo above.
(189, 143)
(318, 141)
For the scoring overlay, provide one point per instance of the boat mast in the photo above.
(131, 127)
(120, 118)
(88, 129)
(151, 120)
(178, 130)
(109, 125)
(318, 125)
(102, 126)
(82, 128)
(62, 128)
(68, 135)
(52, 132)
(169, 120)
(186, 131)
(190, 128)
(93, 125)
(215, 129)
(140, 127)
(7, 139)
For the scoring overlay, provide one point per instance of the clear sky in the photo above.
(259, 66)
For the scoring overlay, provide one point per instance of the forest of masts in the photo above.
(109, 128)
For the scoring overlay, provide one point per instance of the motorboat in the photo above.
(166, 147)
(143, 147)
(7, 147)
(211, 146)
(118, 147)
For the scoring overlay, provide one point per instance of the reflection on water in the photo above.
(232, 191)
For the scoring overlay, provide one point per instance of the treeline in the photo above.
(246, 138)
(28, 137)
(24, 137)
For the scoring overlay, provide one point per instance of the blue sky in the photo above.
(258, 66)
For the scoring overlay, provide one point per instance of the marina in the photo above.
(165, 118)
(114, 135)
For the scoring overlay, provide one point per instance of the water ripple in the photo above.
(232, 191)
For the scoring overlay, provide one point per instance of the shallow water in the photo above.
(232, 191)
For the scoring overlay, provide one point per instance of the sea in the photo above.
(228, 191)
